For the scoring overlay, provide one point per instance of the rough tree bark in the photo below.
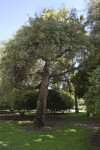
(41, 103)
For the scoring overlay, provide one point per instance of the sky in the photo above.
(14, 13)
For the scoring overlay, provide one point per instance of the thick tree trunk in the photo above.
(41, 103)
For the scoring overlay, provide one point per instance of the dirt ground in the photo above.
(17, 118)
(30, 117)
(50, 126)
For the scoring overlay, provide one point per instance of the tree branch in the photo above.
(40, 73)
(63, 52)
(28, 87)
(42, 57)
(67, 71)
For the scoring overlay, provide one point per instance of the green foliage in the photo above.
(32, 99)
(80, 80)
(92, 96)
(54, 101)
(26, 101)
(44, 38)
(67, 99)
(59, 100)
(20, 103)
(94, 22)
(94, 10)
(81, 102)
(4, 106)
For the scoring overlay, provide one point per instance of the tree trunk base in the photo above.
(38, 123)
(76, 111)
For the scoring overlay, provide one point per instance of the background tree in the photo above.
(82, 78)
(93, 18)
(92, 96)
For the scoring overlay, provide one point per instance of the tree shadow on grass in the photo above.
(67, 136)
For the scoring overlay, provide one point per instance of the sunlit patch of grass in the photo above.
(25, 122)
(26, 113)
(3, 144)
(38, 140)
(69, 137)
(14, 114)
(70, 130)
(48, 136)
(27, 144)
(30, 112)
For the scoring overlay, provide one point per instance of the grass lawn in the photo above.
(70, 137)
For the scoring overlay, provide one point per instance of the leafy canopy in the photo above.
(53, 37)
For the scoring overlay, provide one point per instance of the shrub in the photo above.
(67, 100)
(26, 101)
(32, 100)
(3, 106)
(20, 104)
(54, 100)
(59, 100)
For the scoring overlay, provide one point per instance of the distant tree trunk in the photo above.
(88, 113)
(83, 55)
(41, 103)
(1, 112)
(22, 113)
(76, 105)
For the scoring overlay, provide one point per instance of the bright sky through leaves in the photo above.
(14, 13)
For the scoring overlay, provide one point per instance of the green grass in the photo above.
(26, 113)
(70, 137)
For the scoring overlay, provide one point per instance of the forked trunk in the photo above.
(41, 103)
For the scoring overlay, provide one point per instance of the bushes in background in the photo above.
(56, 101)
